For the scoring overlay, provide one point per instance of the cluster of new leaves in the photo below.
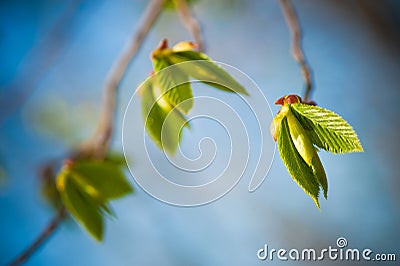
(299, 129)
(87, 186)
(167, 95)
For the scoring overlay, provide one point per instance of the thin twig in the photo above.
(98, 144)
(190, 22)
(296, 49)
(39, 241)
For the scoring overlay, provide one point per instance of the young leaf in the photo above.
(102, 179)
(82, 207)
(326, 129)
(202, 69)
(184, 46)
(115, 158)
(298, 127)
(206, 71)
(160, 63)
(320, 174)
(300, 139)
(307, 151)
(300, 171)
(175, 88)
(163, 124)
(276, 122)
(174, 84)
(168, 96)
(86, 187)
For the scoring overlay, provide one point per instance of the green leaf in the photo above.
(163, 123)
(206, 71)
(83, 208)
(326, 129)
(115, 158)
(187, 55)
(298, 128)
(160, 63)
(300, 139)
(167, 96)
(300, 171)
(86, 187)
(320, 174)
(202, 69)
(102, 179)
(306, 150)
(174, 86)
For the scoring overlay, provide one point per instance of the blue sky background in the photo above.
(353, 48)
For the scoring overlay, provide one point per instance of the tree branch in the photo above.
(98, 144)
(190, 22)
(296, 49)
(41, 239)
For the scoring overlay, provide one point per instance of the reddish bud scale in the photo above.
(289, 99)
(292, 99)
(68, 163)
(157, 52)
(163, 44)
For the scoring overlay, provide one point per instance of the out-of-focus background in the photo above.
(55, 56)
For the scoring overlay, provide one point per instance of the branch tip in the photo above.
(296, 48)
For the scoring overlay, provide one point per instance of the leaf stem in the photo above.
(190, 22)
(296, 49)
(41, 239)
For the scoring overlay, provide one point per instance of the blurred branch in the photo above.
(190, 22)
(38, 62)
(296, 49)
(98, 144)
(41, 239)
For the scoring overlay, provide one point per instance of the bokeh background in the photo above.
(55, 56)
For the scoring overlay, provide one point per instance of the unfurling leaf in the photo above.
(209, 73)
(81, 205)
(167, 95)
(86, 187)
(297, 167)
(104, 180)
(307, 151)
(297, 128)
(163, 123)
(115, 158)
(327, 130)
(175, 89)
